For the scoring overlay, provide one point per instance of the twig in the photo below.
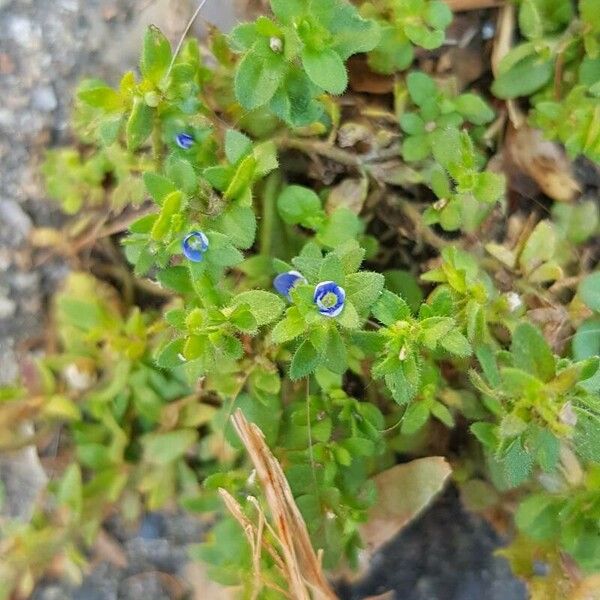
(323, 148)
(423, 230)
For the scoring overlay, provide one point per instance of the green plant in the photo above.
(557, 64)
(248, 288)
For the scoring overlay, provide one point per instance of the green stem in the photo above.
(269, 196)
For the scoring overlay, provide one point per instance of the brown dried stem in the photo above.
(303, 570)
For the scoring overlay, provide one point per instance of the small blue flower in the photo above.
(194, 245)
(285, 282)
(184, 140)
(329, 298)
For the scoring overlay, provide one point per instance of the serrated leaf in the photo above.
(170, 356)
(456, 343)
(364, 289)
(289, 328)
(158, 186)
(239, 224)
(305, 360)
(265, 306)
(390, 308)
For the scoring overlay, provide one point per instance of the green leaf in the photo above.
(335, 355)
(176, 278)
(286, 10)
(289, 328)
(474, 109)
(490, 187)
(340, 227)
(265, 413)
(182, 173)
(586, 341)
(156, 55)
(524, 78)
(390, 308)
(539, 248)
(305, 360)
(257, 79)
(299, 205)
(101, 96)
(239, 224)
(589, 291)
(517, 464)
(456, 343)
(416, 415)
(331, 269)
(405, 285)
(69, 492)
(544, 446)
(537, 516)
(415, 147)
(421, 87)
(170, 356)
(532, 353)
(438, 14)
(441, 413)
(265, 155)
(243, 320)
(237, 145)
(265, 306)
(349, 317)
(242, 179)
(486, 434)
(164, 448)
(158, 186)
(139, 125)
(326, 69)
(351, 255)
(444, 145)
(364, 289)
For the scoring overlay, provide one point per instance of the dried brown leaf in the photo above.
(350, 193)
(404, 491)
(543, 161)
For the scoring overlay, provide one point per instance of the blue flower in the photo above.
(184, 140)
(329, 298)
(194, 245)
(285, 282)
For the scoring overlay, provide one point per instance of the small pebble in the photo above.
(7, 307)
(43, 98)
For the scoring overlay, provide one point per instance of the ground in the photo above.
(46, 46)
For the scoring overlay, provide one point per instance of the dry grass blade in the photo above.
(502, 45)
(303, 569)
